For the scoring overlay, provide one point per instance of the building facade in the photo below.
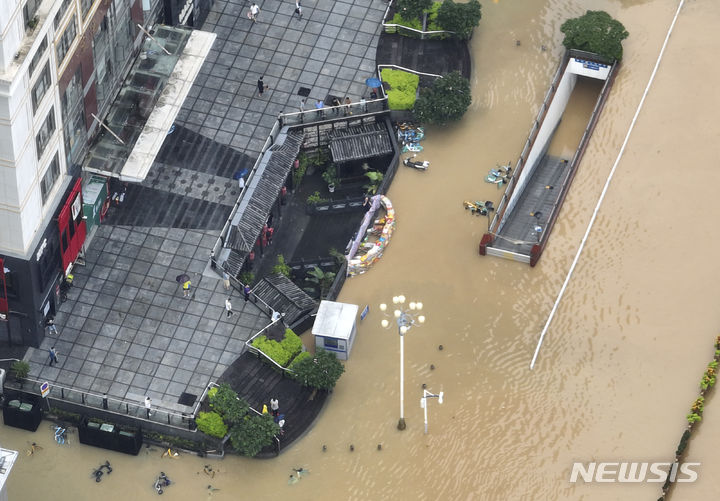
(61, 64)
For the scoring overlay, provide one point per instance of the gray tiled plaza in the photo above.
(126, 329)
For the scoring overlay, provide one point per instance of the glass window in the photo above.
(66, 40)
(330, 342)
(61, 12)
(30, 10)
(38, 55)
(86, 4)
(46, 131)
(48, 180)
(41, 86)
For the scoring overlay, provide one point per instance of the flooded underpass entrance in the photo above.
(621, 362)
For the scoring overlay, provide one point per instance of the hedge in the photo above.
(211, 423)
(292, 343)
(272, 349)
(403, 87)
(302, 356)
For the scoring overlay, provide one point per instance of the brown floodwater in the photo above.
(621, 361)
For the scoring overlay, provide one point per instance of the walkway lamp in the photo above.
(423, 403)
(405, 319)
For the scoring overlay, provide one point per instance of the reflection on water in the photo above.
(620, 362)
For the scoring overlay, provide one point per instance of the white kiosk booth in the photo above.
(335, 327)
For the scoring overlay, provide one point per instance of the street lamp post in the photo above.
(404, 320)
(423, 403)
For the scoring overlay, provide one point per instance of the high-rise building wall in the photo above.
(61, 62)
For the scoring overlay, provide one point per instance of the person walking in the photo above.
(274, 406)
(254, 11)
(226, 281)
(261, 85)
(298, 9)
(186, 288)
(348, 111)
(228, 308)
(53, 356)
(302, 105)
(319, 105)
(246, 292)
(148, 407)
(269, 234)
(241, 183)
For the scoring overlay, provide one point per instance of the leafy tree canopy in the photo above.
(413, 9)
(595, 32)
(227, 403)
(446, 101)
(321, 371)
(252, 433)
(459, 17)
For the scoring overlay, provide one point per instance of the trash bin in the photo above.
(95, 194)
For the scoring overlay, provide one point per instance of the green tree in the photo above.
(281, 266)
(321, 372)
(323, 279)
(413, 9)
(459, 18)
(595, 32)
(252, 433)
(446, 101)
(227, 403)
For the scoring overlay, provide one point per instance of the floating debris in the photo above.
(352, 447)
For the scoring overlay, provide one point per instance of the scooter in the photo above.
(415, 147)
(497, 178)
(411, 136)
(409, 162)
(162, 481)
(479, 207)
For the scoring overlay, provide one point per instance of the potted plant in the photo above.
(330, 177)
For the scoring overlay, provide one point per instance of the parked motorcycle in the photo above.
(415, 147)
(479, 207)
(419, 165)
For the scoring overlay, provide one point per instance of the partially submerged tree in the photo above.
(413, 9)
(252, 433)
(446, 101)
(460, 18)
(595, 32)
(320, 372)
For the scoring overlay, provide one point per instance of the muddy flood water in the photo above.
(622, 359)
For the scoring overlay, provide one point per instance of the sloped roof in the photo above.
(284, 296)
(360, 142)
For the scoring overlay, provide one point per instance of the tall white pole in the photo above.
(401, 423)
(425, 407)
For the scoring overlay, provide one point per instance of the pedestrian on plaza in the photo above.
(274, 406)
(253, 14)
(105, 401)
(373, 94)
(241, 182)
(51, 327)
(298, 9)
(186, 288)
(228, 308)
(246, 292)
(53, 356)
(302, 105)
(226, 280)
(348, 111)
(262, 87)
(319, 105)
(363, 102)
(148, 406)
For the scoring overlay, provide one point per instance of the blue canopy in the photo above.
(373, 82)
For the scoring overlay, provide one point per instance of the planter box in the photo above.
(110, 436)
(22, 411)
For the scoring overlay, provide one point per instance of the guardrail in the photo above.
(252, 349)
(326, 113)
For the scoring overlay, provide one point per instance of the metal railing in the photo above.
(133, 409)
(314, 115)
(252, 349)
(422, 34)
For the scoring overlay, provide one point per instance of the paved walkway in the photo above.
(126, 330)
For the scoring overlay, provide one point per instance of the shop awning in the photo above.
(148, 102)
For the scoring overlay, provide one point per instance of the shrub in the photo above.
(402, 88)
(315, 198)
(413, 9)
(459, 18)
(252, 433)
(272, 349)
(595, 32)
(302, 356)
(21, 368)
(321, 372)
(211, 423)
(281, 266)
(299, 173)
(413, 23)
(247, 278)
(227, 404)
(292, 343)
(446, 101)
(432, 24)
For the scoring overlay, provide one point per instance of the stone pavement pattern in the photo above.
(125, 329)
